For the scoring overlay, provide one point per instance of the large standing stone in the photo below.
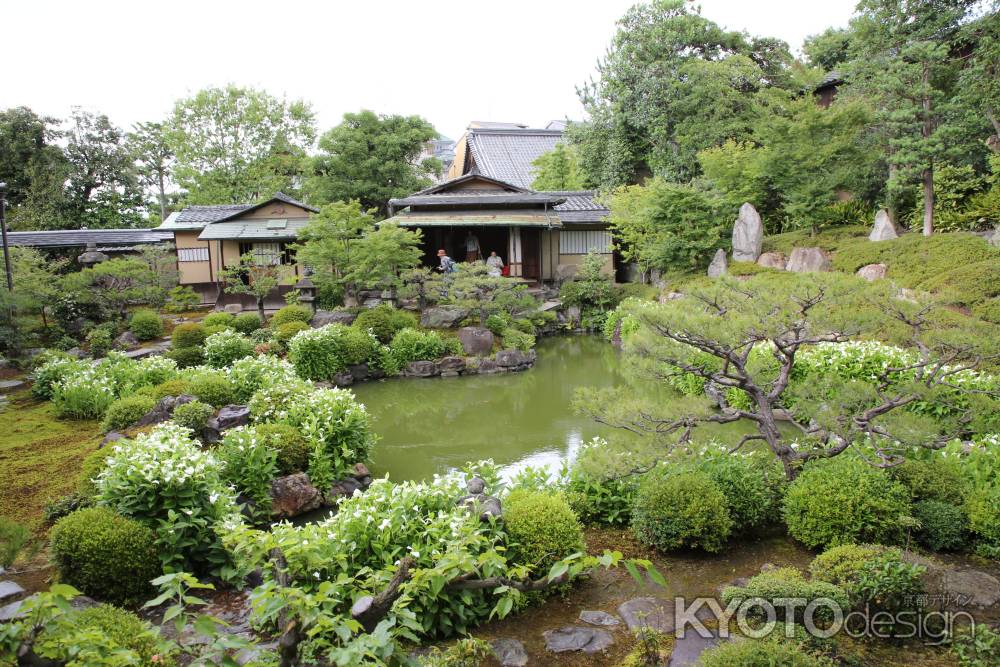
(230, 416)
(719, 265)
(748, 235)
(808, 260)
(971, 587)
(292, 495)
(885, 229)
(451, 365)
(572, 638)
(512, 359)
(773, 260)
(126, 341)
(324, 317)
(872, 272)
(509, 652)
(652, 613)
(421, 369)
(476, 341)
(443, 317)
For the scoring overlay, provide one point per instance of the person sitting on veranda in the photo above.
(494, 265)
(446, 263)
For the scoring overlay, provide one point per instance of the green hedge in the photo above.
(678, 511)
(541, 529)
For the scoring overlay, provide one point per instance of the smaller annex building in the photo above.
(209, 238)
(540, 236)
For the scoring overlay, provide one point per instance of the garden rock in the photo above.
(885, 229)
(511, 358)
(599, 618)
(773, 260)
(570, 315)
(487, 366)
(344, 379)
(126, 341)
(230, 416)
(719, 264)
(971, 587)
(421, 369)
(233, 308)
(451, 365)
(163, 410)
(688, 649)
(476, 341)
(872, 272)
(343, 488)
(358, 371)
(476, 486)
(808, 260)
(11, 385)
(293, 495)
(566, 272)
(360, 471)
(573, 638)
(9, 589)
(748, 235)
(509, 652)
(324, 317)
(112, 436)
(653, 613)
(443, 317)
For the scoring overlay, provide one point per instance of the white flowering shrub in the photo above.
(225, 347)
(249, 464)
(49, 372)
(157, 369)
(251, 374)
(82, 390)
(84, 394)
(271, 404)
(334, 419)
(163, 479)
(319, 354)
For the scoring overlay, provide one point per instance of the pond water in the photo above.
(428, 426)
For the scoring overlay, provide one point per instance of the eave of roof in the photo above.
(278, 196)
(81, 237)
(480, 199)
(251, 230)
(476, 219)
(465, 178)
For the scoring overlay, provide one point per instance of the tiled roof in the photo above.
(196, 217)
(580, 206)
(506, 154)
(205, 214)
(81, 237)
(255, 230)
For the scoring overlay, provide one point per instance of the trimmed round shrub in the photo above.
(842, 500)
(193, 415)
(761, 653)
(983, 509)
(541, 529)
(214, 329)
(273, 403)
(358, 346)
(126, 411)
(787, 582)
(936, 479)
(212, 388)
(146, 325)
(842, 564)
(385, 321)
(871, 575)
(218, 319)
(188, 334)
(247, 323)
(287, 331)
(681, 511)
(101, 339)
(942, 525)
(749, 498)
(225, 347)
(119, 630)
(290, 314)
(106, 556)
(187, 357)
(175, 387)
(293, 449)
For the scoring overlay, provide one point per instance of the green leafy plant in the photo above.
(291, 448)
(685, 510)
(174, 387)
(193, 415)
(253, 373)
(513, 338)
(290, 314)
(13, 538)
(126, 411)
(385, 321)
(541, 529)
(225, 347)
(247, 323)
(415, 345)
(187, 357)
(181, 299)
(787, 582)
(285, 332)
(762, 653)
(213, 388)
(107, 556)
(943, 526)
(218, 318)
(249, 464)
(146, 325)
(188, 334)
(100, 340)
(93, 635)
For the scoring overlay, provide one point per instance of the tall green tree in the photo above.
(372, 158)
(667, 89)
(979, 80)
(235, 144)
(829, 49)
(102, 189)
(558, 169)
(154, 160)
(34, 168)
(905, 59)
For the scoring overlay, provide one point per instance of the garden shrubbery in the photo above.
(943, 526)
(225, 347)
(286, 332)
(844, 500)
(249, 464)
(786, 582)
(126, 411)
(292, 449)
(290, 314)
(122, 636)
(415, 345)
(174, 387)
(541, 529)
(106, 556)
(247, 323)
(187, 357)
(253, 373)
(684, 510)
(193, 415)
(335, 421)
(188, 334)
(218, 319)
(516, 339)
(385, 321)
(983, 510)
(212, 387)
(761, 653)
(871, 574)
(319, 354)
(146, 325)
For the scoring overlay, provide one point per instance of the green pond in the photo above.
(428, 426)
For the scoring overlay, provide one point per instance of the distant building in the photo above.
(111, 242)
(443, 149)
(826, 91)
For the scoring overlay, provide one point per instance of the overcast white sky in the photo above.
(449, 61)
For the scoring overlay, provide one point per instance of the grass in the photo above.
(40, 458)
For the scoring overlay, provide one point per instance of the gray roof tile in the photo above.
(507, 154)
(81, 237)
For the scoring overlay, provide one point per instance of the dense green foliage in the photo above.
(541, 529)
(193, 415)
(872, 575)
(225, 347)
(213, 388)
(786, 582)
(292, 449)
(558, 169)
(415, 345)
(188, 334)
(290, 313)
(319, 354)
(122, 635)
(761, 653)
(686, 510)
(106, 556)
(126, 411)
(385, 321)
(146, 325)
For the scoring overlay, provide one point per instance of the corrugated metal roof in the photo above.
(81, 237)
(507, 154)
(478, 219)
(251, 230)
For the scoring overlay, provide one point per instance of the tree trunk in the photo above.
(260, 310)
(163, 198)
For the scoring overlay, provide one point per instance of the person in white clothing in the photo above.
(494, 265)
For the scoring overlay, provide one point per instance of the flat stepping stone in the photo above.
(11, 385)
(599, 618)
(550, 305)
(509, 652)
(688, 650)
(574, 638)
(11, 611)
(9, 589)
(652, 613)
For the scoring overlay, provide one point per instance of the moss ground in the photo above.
(40, 458)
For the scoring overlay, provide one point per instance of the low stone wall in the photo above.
(504, 361)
